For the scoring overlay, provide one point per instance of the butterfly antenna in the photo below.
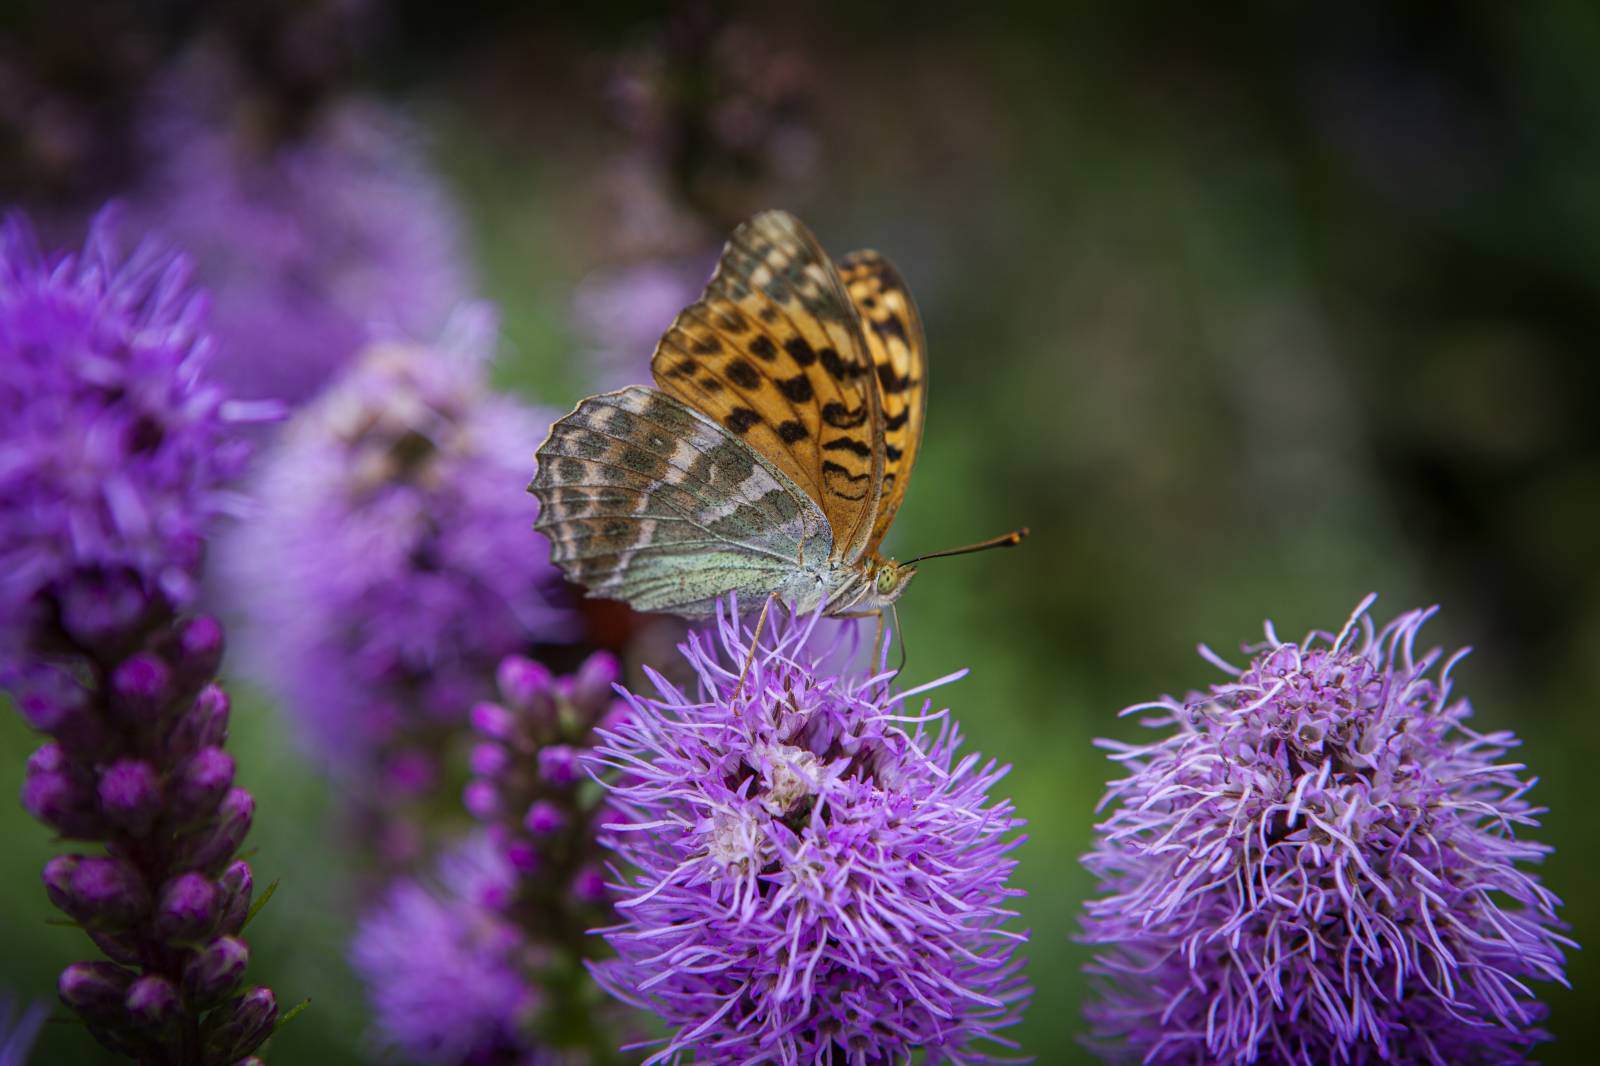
(1008, 540)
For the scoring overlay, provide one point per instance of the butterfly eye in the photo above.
(886, 579)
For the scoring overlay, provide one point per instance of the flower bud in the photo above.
(493, 721)
(153, 1003)
(203, 725)
(140, 687)
(590, 885)
(199, 651)
(61, 794)
(188, 907)
(523, 857)
(215, 844)
(480, 799)
(488, 759)
(238, 1028)
(130, 795)
(97, 890)
(235, 888)
(95, 990)
(591, 687)
(57, 877)
(200, 785)
(544, 818)
(559, 765)
(522, 681)
(213, 972)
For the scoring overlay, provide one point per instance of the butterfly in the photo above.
(774, 454)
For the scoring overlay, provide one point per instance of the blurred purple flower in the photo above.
(392, 565)
(441, 964)
(116, 448)
(18, 1030)
(310, 245)
(811, 882)
(621, 315)
(1319, 864)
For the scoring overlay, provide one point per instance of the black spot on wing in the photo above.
(706, 345)
(846, 444)
(890, 381)
(800, 351)
(792, 431)
(763, 348)
(833, 364)
(838, 477)
(742, 374)
(839, 416)
(894, 422)
(796, 389)
(891, 453)
(740, 419)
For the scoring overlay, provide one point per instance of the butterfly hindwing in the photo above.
(893, 332)
(774, 353)
(644, 499)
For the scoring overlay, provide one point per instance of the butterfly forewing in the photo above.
(646, 500)
(774, 353)
(893, 332)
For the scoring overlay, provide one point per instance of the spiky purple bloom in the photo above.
(310, 243)
(810, 882)
(1320, 864)
(442, 965)
(116, 451)
(109, 481)
(391, 566)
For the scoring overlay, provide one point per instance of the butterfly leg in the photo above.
(761, 623)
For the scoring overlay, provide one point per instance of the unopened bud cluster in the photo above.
(543, 811)
(136, 762)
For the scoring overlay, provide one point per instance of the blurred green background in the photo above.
(1246, 313)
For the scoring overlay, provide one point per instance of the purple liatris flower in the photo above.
(308, 243)
(1319, 863)
(817, 875)
(391, 566)
(116, 452)
(442, 964)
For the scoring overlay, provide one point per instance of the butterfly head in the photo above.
(890, 579)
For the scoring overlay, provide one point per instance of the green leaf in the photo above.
(259, 902)
(67, 923)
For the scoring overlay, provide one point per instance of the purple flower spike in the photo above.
(114, 470)
(1319, 863)
(380, 642)
(814, 882)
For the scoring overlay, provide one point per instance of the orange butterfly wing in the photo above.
(899, 352)
(774, 352)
